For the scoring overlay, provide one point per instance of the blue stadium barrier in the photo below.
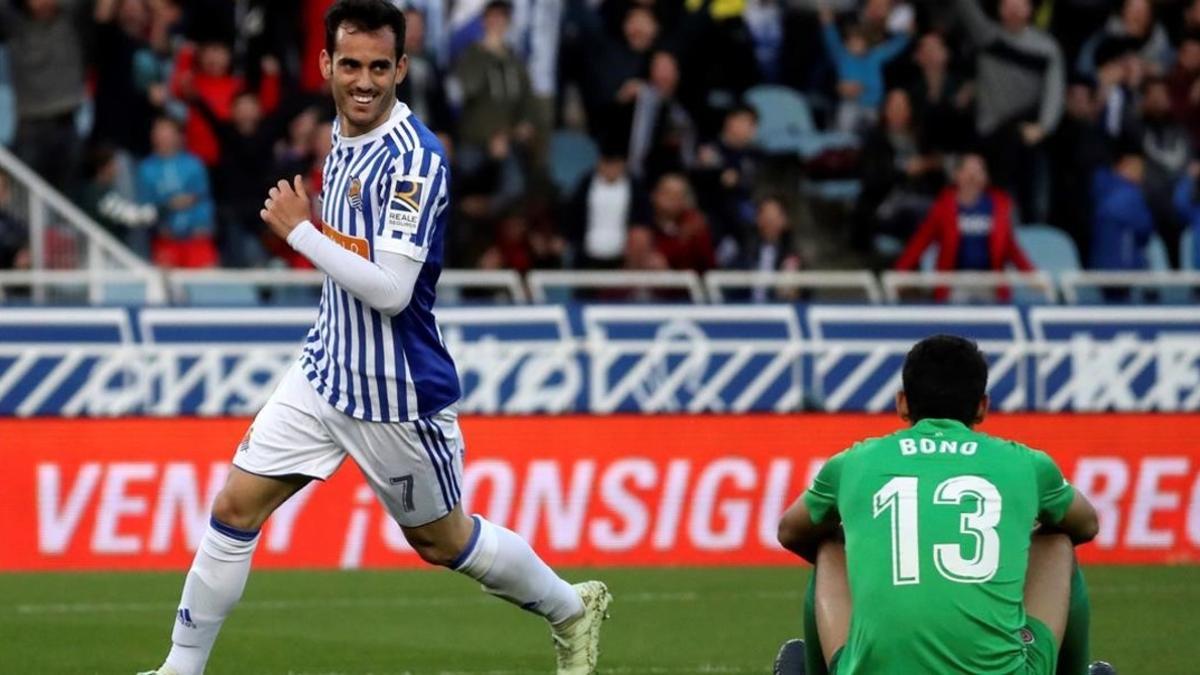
(612, 358)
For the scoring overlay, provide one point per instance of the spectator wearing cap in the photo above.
(972, 223)
(1121, 220)
(1021, 82)
(46, 41)
(176, 183)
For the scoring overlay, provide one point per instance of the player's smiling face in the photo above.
(363, 73)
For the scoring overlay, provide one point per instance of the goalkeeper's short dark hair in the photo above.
(945, 377)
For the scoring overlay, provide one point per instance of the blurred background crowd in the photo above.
(638, 134)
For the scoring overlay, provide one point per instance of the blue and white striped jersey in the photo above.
(385, 190)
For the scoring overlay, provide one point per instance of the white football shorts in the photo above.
(415, 468)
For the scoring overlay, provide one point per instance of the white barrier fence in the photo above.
(147, 285)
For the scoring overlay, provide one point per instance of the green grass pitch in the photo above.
(1146, 620)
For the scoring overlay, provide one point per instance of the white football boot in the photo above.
(577, 644)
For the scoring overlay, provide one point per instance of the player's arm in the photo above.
(1062, 508)
(813, 517)
(1080, 522)
(800, 534)
(386, 284)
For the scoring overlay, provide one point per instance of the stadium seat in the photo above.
(785, 124)
(572, 155)
(201, 294)
(929, 258)
(1049, 248)
(125, 294)
(1157, 259)
(8, 102)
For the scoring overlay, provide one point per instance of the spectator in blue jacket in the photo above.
(175, 182)
(859, 71)
(1187, 205)
(1121, 221)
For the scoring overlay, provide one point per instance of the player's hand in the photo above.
(286, 207)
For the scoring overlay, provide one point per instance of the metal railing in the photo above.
(639, 282)
(145, 285)
(1074, 282)
(68, 251)
(895, 283)
(862, 282)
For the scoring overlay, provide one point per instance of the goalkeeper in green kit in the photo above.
(958, 553)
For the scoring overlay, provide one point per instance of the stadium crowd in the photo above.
(638, 134)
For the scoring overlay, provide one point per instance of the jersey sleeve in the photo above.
(821, 496)
(416, 197)
(1054, 492)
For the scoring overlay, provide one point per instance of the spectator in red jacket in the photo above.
(972, 224)
(206, 73)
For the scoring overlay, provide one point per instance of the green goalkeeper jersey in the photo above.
(937, 520)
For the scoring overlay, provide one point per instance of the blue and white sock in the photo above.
(508, 568)
(213, 587)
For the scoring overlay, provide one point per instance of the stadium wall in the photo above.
(612, 358)
(107, 494)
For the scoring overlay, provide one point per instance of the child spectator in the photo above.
(175, 182)
(859, 71)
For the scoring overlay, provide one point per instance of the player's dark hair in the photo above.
(366, 15)
(945, 377)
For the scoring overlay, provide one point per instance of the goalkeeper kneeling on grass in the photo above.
(922, 546)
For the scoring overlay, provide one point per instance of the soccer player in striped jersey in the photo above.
(374, 380)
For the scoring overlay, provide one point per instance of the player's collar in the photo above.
(399, 113)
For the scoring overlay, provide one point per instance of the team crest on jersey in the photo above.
(404, 204)
(354, 193)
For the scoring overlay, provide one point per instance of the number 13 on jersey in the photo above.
(899, 496)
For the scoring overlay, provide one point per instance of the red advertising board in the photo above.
(586, 490)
